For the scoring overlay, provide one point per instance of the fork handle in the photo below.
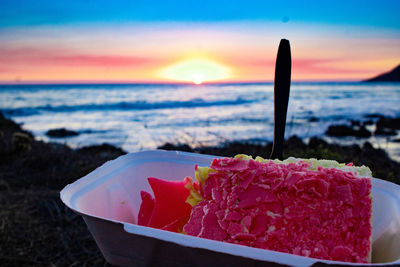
(283, 68)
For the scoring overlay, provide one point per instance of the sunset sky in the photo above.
(195, 41)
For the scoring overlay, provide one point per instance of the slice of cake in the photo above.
(313, 208)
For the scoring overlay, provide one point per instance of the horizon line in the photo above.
(121, 82)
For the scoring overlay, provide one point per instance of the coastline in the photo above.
(132, 118)
(37, 229)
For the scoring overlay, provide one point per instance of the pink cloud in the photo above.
(96, 60)
(259, 62)
(4, 69)
(322, 66)
(66, 58)
(305, 65)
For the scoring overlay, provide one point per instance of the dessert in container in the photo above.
(109, 199)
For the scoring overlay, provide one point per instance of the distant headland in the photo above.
(391, 76)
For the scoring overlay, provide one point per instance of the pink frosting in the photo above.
(324, 213)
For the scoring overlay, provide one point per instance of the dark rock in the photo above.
(168, 146)
(13, 139)
(295, 142)
(368, 146)
(313, 119)
(397, 140)
(368, 122)
(21, 142)
(385, 131)
(104, 151)
(316, 142)
(391, 76)
(61, 132)
(344, 130)
(387, 126)
(389, 123)
(9, 126)
(374, 116)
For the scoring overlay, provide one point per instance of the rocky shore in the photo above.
(37, 229)
(383, 126)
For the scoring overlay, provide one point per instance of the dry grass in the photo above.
(37, 229)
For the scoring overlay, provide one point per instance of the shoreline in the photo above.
(129, 117)
(383, 132)
(38, 229)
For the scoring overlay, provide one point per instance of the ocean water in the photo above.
(144, 116)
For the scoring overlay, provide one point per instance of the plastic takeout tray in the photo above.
(109, 199)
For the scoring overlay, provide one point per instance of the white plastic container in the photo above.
(109, 199)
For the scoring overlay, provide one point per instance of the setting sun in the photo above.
(196, 70)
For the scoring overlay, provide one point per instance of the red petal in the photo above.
(146, 208)
(170, 202)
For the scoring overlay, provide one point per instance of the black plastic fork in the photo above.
(283, 69)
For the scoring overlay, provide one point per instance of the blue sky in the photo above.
(383, 13)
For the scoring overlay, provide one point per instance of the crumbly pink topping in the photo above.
(324, 213)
